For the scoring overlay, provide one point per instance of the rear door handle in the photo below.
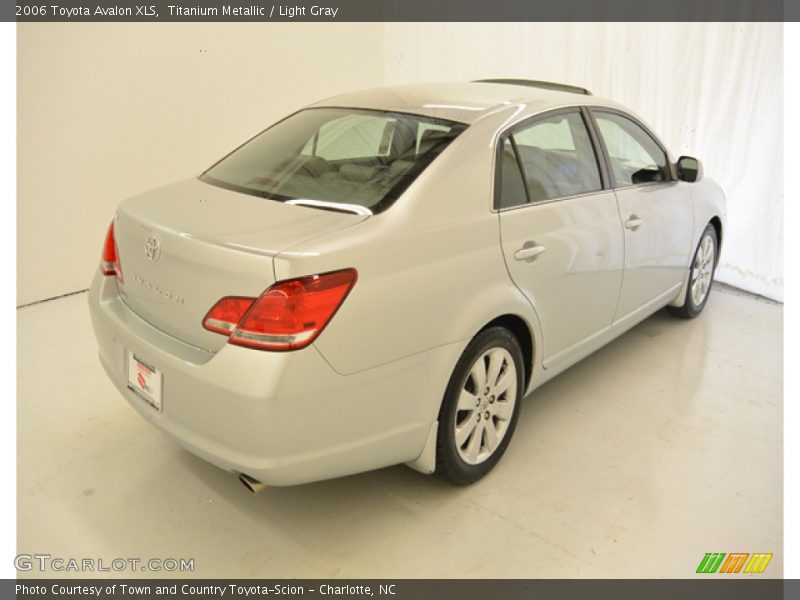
(633, 223)
(529, 252)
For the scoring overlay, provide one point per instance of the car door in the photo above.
(656, 213)
(560, 229)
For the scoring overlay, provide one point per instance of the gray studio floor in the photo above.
(661, 447)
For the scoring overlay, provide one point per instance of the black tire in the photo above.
(691, 308)
(449, 462)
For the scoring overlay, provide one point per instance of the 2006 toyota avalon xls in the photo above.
(381, 277)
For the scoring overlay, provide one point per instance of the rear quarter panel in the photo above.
(430, 268)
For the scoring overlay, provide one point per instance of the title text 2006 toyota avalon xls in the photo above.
(381, 277)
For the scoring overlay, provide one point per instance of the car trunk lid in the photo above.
(185, 246)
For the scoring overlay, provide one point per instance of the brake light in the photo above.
(225, 314)
(110, 261)
(289, 315)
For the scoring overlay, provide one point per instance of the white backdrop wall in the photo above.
(709, 90)
(108, 110)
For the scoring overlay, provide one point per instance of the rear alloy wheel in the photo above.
(701, 276)
(481, 407)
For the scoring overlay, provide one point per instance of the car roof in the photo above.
(466, 102)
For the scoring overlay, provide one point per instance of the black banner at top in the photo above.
(400, 10)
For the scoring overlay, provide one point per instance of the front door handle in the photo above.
(633, 223)
(529, 252)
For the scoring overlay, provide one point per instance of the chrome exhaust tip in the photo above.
(253, 485)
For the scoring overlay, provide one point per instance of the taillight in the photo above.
(225, 314)
(287, 316)
(110, 262)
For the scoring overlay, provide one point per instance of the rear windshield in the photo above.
(343, 156)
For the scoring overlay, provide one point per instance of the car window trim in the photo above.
(591, 110)
(510, 138)
(552, 200)
(599, 149)
(599, 156)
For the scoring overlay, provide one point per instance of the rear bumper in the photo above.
(283, 418)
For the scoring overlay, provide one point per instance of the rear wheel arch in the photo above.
(521, 330)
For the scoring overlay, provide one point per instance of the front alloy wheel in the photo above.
(703, 270)
(701, 275)
(480, 407)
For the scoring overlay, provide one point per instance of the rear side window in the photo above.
(345, 156)
(512, 185)
(557, 157)
(635, 156)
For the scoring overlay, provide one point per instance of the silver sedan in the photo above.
(381, 277)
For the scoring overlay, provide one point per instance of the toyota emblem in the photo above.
(152, 248)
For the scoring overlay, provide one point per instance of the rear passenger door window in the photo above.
(557, 157)
(635, 157)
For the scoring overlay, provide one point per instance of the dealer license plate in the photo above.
(145, 380)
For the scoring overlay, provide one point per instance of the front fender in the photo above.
(708, 202)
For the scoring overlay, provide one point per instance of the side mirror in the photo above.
(689, 169)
